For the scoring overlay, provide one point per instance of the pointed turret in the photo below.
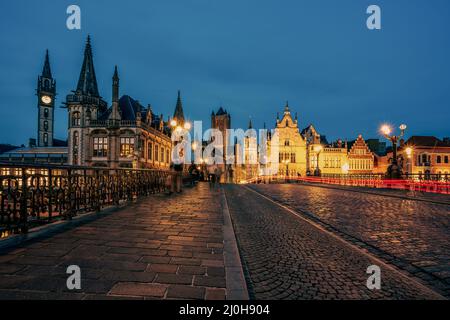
(46, 71)
(115, 113)
(250, 124)
(286, 108)
(115, 85)
(178, 115)
(87, 83)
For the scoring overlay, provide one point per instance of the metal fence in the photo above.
(435, 183)
(31, 195)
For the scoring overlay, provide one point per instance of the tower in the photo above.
(221, 120)
(114, 123)
(178, 115)
(84, 106)
(46, 92)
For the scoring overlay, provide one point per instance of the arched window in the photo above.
(286, 143)
(438, 159)
(46, 125)
(45, 139)
(446, 159)
(76, 118)
(46, 113)
(424, 158)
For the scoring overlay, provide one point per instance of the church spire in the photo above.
(115, 113)
(115, 85)
(250, 124)
(87, 83)
(46, 71)
(178, 115)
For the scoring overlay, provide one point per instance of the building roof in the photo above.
(427, 141)
(7, 147)
(46, 71)
(38, 150)
(60, 143)
(179, 114)
(221, 112)
(87, 83)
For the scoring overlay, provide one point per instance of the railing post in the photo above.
(50, 193)
(23, 204)
(97, 191)
(70, 196)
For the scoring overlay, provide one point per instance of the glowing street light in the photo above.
(386, 129)
(394, 171)
(345, 168)
(409, 152)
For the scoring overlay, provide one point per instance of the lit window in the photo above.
(150, 151)
(162, 155)
(126, 147)
(156, 152)
(45, 139)
(100, 147)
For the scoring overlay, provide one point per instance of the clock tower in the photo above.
(46, 92)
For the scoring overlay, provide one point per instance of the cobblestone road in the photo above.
(413, 235)
(287, 257)
(159, 247)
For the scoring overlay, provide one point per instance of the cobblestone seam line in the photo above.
(235, 280)
(354, 247)
(55, 227)
(382, 194)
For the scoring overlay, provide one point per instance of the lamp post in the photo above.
(317, 150)
(394, 171)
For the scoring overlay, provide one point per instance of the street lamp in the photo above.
(394, 171)
(317, 150)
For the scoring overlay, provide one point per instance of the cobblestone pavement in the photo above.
(159, 247)
(412, 235)
(288, 257)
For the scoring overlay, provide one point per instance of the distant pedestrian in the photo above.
(211, 170)
(218, 176)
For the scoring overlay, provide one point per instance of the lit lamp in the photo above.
(394, 171)
(173, 123)
(187, 126)
(317, 150)
(345, 168)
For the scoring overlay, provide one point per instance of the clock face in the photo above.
(46, 99)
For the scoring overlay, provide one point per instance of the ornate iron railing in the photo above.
(31, 195)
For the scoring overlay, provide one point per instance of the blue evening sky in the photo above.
(248, 55)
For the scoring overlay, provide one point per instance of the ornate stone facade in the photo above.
(123, 135)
